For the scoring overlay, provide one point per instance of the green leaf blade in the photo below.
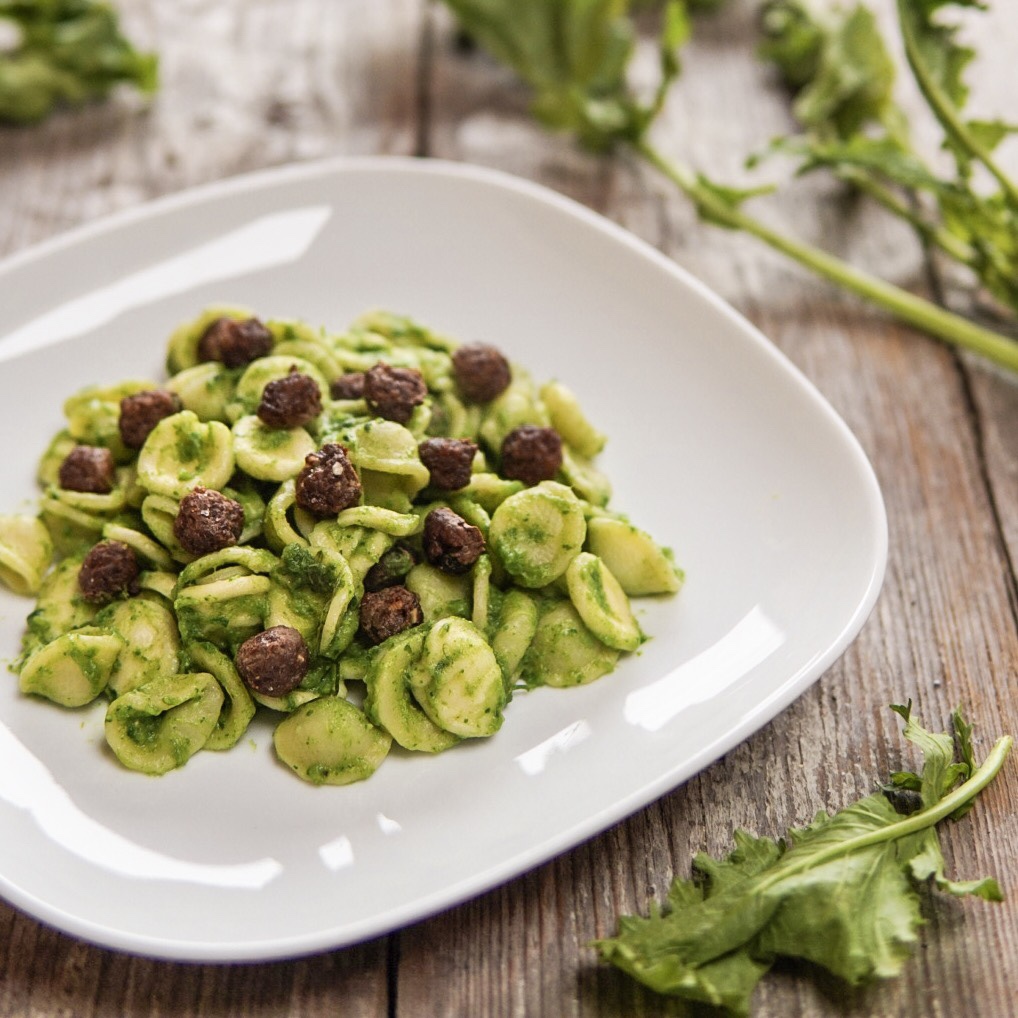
(70, 52)
(840, 893)
(574, 55)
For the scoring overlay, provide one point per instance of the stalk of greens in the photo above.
(574, 56)
(840, 893)
(837, 63)
(66, 52)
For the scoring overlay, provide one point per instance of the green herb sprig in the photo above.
(67, 52)
(843, 77)
(840, 893)
(574, 55)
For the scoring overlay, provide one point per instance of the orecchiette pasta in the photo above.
(293, 608)
(183, 452)
(25, 553)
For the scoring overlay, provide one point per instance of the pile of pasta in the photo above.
(546, 604)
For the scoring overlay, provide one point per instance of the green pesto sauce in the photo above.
(143, 730)
(273, 439)
(596, 581)
(180, 750)
(301, 569)
(189, 444)
(321, 679)
(532, 532)
(85, 659)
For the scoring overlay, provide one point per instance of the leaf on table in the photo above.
(575, 55)
(854, 128)
(990, 133)
(836, 61)
(67, 52)
(880, 155)
(938, 59)
(943, 55)
(840, 893)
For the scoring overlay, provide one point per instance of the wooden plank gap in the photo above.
(393, 950)
(424, 82)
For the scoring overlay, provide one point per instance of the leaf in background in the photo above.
(838, 893)
(990, 133)
(839, 65)
(792, 40)
(978, 231)
(853, 128)
(938, 61)
(878, 155)
(574, 55)
(855, 79)
(943, 55)
(69, 52)
(990, 227)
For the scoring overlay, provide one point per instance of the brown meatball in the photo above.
(140, 413)
(531, 454)
(108, 570)
(389, 569)
(88, 468)
(207, 521)
(384, 613)
(481, 371)
(450, 543)
(274, 661)
(393, 393)
(290, 401)
(234, 342)
(348, 386)
(328, 482)
(448, 461)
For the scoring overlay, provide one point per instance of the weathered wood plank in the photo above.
(47, 973)
(244, 86)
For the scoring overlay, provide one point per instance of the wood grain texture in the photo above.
(250, 84)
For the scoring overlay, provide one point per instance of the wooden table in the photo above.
(254, 83)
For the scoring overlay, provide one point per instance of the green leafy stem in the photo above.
(574, 56)
(940, 103)
(904, 305)
(842, 76)
(67, 53)
(916, 822)
(840, 892)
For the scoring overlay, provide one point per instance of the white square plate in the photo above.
(718, 447)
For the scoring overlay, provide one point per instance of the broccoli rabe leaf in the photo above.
(854, 128)
(67, 52)
(300, 569)
(574, 55)
(840, 892)
(938, 45)
(793, 41)
(842, 68)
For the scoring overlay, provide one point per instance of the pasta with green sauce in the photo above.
(375, 536)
